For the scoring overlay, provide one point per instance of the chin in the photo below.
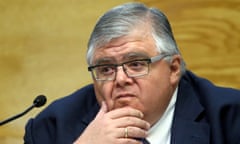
(128, 103)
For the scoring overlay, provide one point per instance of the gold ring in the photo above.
(126, 132)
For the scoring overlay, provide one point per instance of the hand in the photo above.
(119, 126)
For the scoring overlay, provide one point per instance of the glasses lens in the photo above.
(136, 68)
(106, 72)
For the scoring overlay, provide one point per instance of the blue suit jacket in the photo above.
(204, 114)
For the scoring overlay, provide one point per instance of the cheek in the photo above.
(159, 79)
(103, 92)
(157, 88)
(155, 98)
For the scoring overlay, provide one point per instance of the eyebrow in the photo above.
(126, 57)
(105, 60)
(135, 55)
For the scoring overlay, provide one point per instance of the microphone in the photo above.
(38, 102)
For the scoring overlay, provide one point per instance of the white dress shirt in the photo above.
(160, 132)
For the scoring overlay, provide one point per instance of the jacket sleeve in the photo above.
(28, 133)
(39, 132)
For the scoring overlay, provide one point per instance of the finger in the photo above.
(130, 132)
(125, 111)
(133, 122)
(104, 106)
(129, 141)
(102, 111)
(133, 132)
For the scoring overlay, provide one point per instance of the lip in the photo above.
(125, 95)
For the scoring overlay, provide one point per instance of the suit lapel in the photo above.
(91, 114)
(189, 125)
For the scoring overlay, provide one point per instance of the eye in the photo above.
(137, 65)
(105, 70)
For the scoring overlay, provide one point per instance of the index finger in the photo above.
(125, 111)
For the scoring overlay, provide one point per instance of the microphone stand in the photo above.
(17, 116)
(38, 102)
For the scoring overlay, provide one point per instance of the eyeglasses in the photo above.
(133, 68)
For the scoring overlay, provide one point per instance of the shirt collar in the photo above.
(160, 132)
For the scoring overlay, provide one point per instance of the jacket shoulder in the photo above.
(63, 120)
(221, 108)
(209, 92)
(80, 101)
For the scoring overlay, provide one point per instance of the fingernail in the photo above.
(140, 114)
(148, 125)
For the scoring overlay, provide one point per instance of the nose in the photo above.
(121, 77)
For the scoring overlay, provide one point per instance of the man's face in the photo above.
(150, 93)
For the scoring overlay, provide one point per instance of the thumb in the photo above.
(102, 110)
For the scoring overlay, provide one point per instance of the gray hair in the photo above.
(121, 20)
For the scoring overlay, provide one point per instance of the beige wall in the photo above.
(42, 51)
(43, 44)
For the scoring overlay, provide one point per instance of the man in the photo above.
(141, 91)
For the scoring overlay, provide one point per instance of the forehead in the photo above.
(134, 45)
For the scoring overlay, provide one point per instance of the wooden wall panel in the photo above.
(42, 51)
(207, 33)
(43, 44)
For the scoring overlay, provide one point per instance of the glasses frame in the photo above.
(148, 60)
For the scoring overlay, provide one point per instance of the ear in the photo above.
(175, 67)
